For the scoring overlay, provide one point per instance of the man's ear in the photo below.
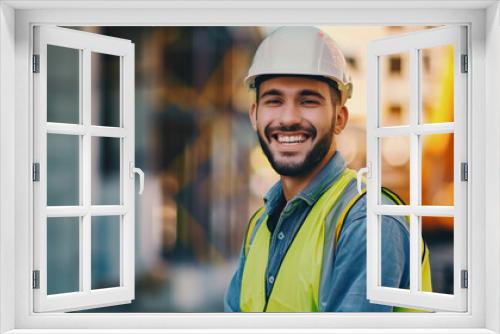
(341, 119)
(252, 113)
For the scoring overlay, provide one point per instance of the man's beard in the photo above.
(312, 159)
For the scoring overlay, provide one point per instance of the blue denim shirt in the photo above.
(346, 291)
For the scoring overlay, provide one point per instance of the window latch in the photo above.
(363, 171)
(134, 170)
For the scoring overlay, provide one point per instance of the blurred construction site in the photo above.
(205, 171)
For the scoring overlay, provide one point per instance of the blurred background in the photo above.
(205, 171)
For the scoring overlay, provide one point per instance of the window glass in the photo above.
(63, 84)
(105, 243)
(438, 235)
(395, 166)
(394, 89)
(63, 255)
(105, 89)
(437, 169)
(63, 170)
(436, 84)
(105, 170)
(394, 252)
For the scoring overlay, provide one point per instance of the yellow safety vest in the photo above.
(297, 285)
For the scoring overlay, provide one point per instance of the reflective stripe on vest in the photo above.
(296, 287)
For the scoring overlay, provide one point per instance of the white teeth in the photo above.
(291, 139)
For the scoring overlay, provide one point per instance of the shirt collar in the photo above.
(313, 191)
(273, 197)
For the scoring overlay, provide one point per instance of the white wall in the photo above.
(7, 188)
(492, 65)
(6, 164)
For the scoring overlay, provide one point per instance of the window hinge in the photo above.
(464, 174)
(36, 279)
(36, 172)
(36, 63)
(465, 64)
(465, 279)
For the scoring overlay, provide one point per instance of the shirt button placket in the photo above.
(271, 279)
(281, 236)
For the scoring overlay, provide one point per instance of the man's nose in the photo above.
(290, 114)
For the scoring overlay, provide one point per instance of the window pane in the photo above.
(436, 84)
(394, 89)
(105, 89)
(63, 84)
(437, 169)
(63, 253)
(105, 252)
(394, 252)
(63, 169)
(438, 235)
(105, 171)
(395, 166)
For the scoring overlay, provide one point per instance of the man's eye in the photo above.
(272, 102)
(310, 102)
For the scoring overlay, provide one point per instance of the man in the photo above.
(305, 249)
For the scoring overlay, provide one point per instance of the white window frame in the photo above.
(16, 21)
(85, 44)
(411, 44)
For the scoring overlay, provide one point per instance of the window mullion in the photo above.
(420, 129)
(85, 236)
(419, 210)
(414, 172)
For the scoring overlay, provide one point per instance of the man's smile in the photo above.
(290, 138)
(286, 141)
(286, 138)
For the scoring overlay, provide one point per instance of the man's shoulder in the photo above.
(349, 205)
(356, 213)
(357, 209)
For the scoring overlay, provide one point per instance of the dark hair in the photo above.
(334, 88)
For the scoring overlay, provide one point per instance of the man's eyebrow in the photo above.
(308, 92)
(271, 92)
(304, 92)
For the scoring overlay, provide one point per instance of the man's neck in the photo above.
(292, 185)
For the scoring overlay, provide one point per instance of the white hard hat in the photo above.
(301, 51)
